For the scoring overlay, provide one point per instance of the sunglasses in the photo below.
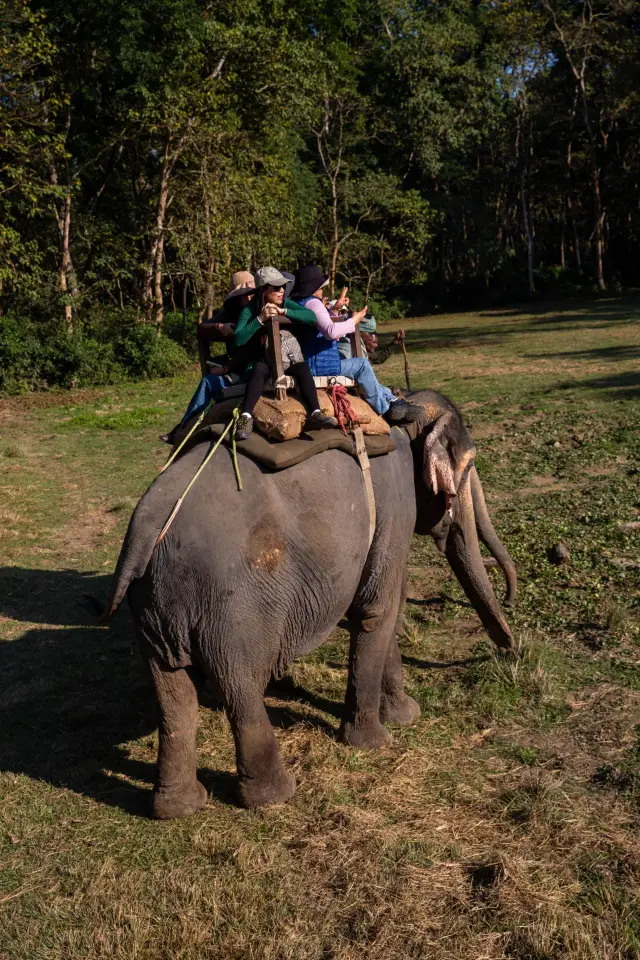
(282, 286)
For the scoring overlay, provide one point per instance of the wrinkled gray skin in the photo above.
(246, 581)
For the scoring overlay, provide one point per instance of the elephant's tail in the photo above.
(92, 604)
(489, 537)
(104, 611)
(136, 552)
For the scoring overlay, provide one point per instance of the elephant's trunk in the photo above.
(490, 538)
(463, 553)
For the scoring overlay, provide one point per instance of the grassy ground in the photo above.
(502, 825)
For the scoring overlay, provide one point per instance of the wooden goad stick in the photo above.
(406, 365)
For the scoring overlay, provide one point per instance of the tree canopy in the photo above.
(430, 149)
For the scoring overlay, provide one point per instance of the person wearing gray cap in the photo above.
(270, 301)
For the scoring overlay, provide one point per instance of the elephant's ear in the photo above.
(444, 462)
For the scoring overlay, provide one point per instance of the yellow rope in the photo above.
(234, 452)
(193, 429)
(233, 423)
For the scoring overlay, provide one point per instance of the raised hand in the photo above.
(342, 301)
(358, 315)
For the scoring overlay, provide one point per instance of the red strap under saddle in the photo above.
(342, 409)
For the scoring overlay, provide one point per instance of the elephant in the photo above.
(246, 581)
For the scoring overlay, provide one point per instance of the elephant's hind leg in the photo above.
(396, 706)
(262, 779)
(177, 793)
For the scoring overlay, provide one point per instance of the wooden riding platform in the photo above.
(281, 382)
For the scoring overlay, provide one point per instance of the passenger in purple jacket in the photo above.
(320, 348)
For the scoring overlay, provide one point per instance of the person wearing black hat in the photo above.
(249, 339)
(320, 348)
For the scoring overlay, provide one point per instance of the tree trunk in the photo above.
(154, 263)
(209, 271)
(527, 230)
(332, 169)
(581, 89)
(185, 312)
(65, 270)
(598, 215)
(66, 259)
(576, 238)
(158, 303)
(336, 238)
(598, 221)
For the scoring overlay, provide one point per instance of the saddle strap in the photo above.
(365, 466)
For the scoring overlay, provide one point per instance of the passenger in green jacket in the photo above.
(249, 323)
(250, 336)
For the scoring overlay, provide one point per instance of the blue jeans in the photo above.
(361, 371)
(207, 389)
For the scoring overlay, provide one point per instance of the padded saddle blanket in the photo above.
(280, 454)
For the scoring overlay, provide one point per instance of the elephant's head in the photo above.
(447, 487)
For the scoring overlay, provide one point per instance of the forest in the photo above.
(429, 153)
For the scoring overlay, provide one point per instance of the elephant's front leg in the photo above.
(261, 775)
(177, 793)
(396, 706)
(372, 633)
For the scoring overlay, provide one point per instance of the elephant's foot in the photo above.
(366, 736)
(401, 711)
(178, 802)
(268, 791)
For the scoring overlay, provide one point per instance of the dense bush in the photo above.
(143, 354)
(183, 332)
(36, 355)
(383, 309)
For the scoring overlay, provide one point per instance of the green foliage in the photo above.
(33, 356)
(424, 152)
(36, 355)
(182, 330)
(383, 309)
(529, 756)
(140, 351)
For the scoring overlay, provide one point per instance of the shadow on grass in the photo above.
(443, 664)
(438, 602)
(626, 306)
(74, 694)
(528, 320)
(621, 352)
(287, 689)
(621, 386)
